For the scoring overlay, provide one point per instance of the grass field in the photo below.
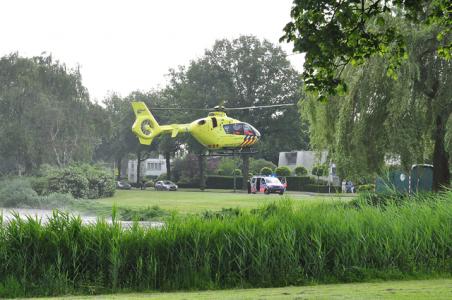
(195, 201)
(415, 289)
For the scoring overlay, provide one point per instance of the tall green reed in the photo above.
(280, 244)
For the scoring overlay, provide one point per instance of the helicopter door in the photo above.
(214, 122)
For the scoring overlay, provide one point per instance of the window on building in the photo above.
(291, 158)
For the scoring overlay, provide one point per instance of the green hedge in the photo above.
(215, 182)
(224, 182)
(316, 188)
(294, 183)
(298, 183)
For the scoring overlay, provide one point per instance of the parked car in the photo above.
(266, 185)
(123, 185)
(165, 185)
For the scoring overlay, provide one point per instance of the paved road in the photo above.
(45, 214)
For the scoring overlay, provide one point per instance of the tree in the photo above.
(266, 171)
(121, 140)
(282, 171)
(45, 114)
(256, 165)
(244, 72)
(319, 170)
(300, 171)
(335, 35)
(237, 172)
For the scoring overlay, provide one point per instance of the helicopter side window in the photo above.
(214, 122)
(236, 129)
(248, 130)
(227, 128)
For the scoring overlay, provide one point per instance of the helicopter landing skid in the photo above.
(230, 152)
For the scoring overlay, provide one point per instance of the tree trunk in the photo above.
(245, 170)
(202, 177)
(118, 167)
(168, 165)
(138, 166)
(441, 173)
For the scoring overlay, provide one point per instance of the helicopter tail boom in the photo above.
(145, 127)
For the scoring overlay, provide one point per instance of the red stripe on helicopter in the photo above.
(245, 140)
(248, 141)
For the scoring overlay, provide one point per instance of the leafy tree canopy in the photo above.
(335, 33)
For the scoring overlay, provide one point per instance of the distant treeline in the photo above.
(47, 116)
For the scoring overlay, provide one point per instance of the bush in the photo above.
(366, 188)
(17, 192)
(149, 183)
(300, 171)
(256, 165)
(266, 171)
(82, 181)
(320, 170)
(101, 182)
(161, 177)
(237, 172)
(39, 184)
(144, 214)
(282, 171)
(69, 180)
(54, 200)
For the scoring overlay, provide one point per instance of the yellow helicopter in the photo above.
(215, 132)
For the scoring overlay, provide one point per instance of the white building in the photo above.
(309, 159)
(149, 167)
(306, 159)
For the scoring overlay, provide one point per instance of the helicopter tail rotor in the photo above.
(145, 127)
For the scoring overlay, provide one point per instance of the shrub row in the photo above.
(83, 181)
(18, 193)
(294, 183)
(277, 246)
(298, 183)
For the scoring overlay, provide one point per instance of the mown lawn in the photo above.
(195, 201)
(415, 289)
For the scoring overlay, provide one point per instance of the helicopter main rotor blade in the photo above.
(180, 108)
(260, 106)
(220, 108)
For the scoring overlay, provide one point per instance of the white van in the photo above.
(266, 185)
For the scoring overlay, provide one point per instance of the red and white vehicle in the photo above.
(266, 185)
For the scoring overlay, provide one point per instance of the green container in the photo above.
(421, 178)
(396, 181)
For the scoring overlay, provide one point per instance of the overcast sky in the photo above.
(123, 46)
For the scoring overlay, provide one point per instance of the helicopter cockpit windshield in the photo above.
(241, 129)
